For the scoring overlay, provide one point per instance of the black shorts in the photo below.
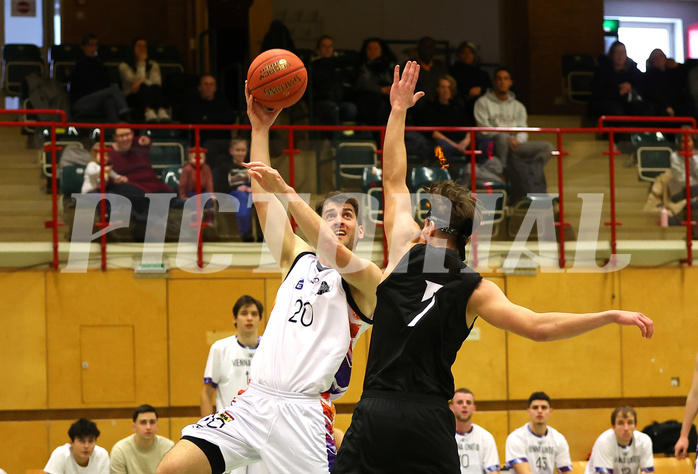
(391, 432)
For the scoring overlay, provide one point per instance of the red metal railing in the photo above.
(291, 151)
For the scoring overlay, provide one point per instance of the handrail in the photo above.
(291, 150)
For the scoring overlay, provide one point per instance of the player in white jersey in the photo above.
(285, 417)
(229, 360)
(536, 448)
(681, 447)
(476, 447)
(621, 449)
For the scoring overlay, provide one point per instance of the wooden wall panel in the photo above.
(200, 312)
(105, 298)
(176, 425)
(23, 341)
(497, 423)
(481, 364)
(342, 421)
(358, 372)
(667, 296)
(24, 445)
(556, 367)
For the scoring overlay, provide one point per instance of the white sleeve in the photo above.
(563, 462)
(515, 450)
(490, 456)
(56, 463)
(154, 77)
(521, 118)
(602, 456)
(646, 457)
(102, 460)
(482, 116)
(211, 372)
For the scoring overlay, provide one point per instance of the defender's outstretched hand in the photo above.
(629, 318)
(260, 116)
(402, 94)
(268, 178)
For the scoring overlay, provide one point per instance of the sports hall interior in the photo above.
(97, 343)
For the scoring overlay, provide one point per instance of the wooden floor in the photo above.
(25, 204)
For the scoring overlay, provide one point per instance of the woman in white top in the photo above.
(142, 83)
(93, 171)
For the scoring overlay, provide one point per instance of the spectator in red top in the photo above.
(129, 158)
(187, 181)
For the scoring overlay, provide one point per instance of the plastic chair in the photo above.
(422, 176)
(71, 178)
(578, 71)
(166, 155)
(168, 58)
(61, 60)
(112, 56)
(653, 161)
(671, 465)
(352, 157)
(492, 215)
(45, 157)
(372, 185)
(171, 175)
(578, 467)
(18, 61)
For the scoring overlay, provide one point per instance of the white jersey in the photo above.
(63, 462)
(308, 341)
(228, 368)
(477, 451)
(542, 453)
(608, 456)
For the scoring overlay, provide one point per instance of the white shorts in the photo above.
(290, 432)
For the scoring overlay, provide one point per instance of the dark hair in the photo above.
(86, 38)
(323, 37)
(386, 53)
(144, 409)
(464, 391)
(538, 396)
(463, 217)
(502, 68)
(133, 60)
(339, 197)
(623, 410)
(470, 45)
(614, 45)
(83, 428)
(246, 300)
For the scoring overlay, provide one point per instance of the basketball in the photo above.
(277, 78)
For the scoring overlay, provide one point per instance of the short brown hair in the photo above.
(464, 391)
(452, 84)
(464, 217)
(340, 197)
(624, 411)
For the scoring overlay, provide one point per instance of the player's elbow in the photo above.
(538, 333)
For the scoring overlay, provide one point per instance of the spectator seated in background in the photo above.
(665, 84)
(90, 89)
(677, 184)
(142, 83)
(209, 108)
(550, 446)
(373, 79)
(330, 83)
(618, 86)
(499, 108)
(141, 452)
(81, 455)
(430, 68)
(477, 449)
(620, 448)
(472, 81)
(230, 177)
(187, 182)
(93, 173)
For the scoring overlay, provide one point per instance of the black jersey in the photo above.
(419, 323)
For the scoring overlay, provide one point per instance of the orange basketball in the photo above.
(277, 78)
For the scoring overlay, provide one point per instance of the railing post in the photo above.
(54, 197)
(686, 152)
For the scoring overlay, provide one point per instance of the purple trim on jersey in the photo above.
(537, 436)
(259, 339)
(493, 468)
(516, 461)
(208, 380)
(604, 470)
(647, 469)
(564, 469)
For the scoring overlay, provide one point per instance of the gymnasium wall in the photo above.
(100, 343)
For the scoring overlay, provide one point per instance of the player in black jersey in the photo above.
(427, 303)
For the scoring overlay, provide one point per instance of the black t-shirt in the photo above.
(419, 323)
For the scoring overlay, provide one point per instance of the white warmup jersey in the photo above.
(228, 368)
(477, 451)
(542, 453)
(608, 456)
(307, 342)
